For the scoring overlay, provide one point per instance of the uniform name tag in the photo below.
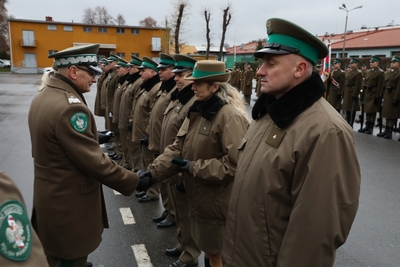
(205, 127)
(275, 137)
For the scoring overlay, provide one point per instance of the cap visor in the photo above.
(262, 51)
(96, 69)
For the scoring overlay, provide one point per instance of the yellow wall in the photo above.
(59, 39)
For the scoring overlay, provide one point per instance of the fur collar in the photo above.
(168, 85)
(122, 79)
(183, 95)
(147, 85)
(133, 77)
(207, 109)
(285, 109)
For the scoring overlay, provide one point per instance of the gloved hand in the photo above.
(180, 187)
(129, 127)
(395, 102)
(145, 181)
(377, 101)
(354, 98)
(145, 141)
(139, 172)
(186, 166)
(339, 97)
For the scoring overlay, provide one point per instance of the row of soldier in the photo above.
(369, 91)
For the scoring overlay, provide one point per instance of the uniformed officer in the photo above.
(391, 97)
(20, 246)
(235, 77)
(247, 83)
(69, 212)
(372, 89)
(352, 89)
(98, 111)
(336, 85)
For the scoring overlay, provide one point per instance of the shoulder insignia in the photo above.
(275, 137)
(73, 100)
(15, 231)
(79, 121)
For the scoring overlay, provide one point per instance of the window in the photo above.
(135, 31)
(102, 29)
(87, 29)
(68, 28)
(52, 27)
(156, 44)
(122, 55)
(120, 30)
(52, 51)
(28, 38)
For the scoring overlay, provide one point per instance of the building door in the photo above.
(28, 38)
(30, 60)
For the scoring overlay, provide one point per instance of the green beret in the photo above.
(337, 61)
(285, 37)
(354, 60)
(183, 63)
(166, 61)
(395, 58)
(135, 61)
(375, 59)
(148, 63)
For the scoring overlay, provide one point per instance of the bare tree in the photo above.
(120, 20)
(99, 15)
(207, 17)
(179, 13)
(3, 26)
(104, 18)
(227, 16)
(148, 22)
(89, 16)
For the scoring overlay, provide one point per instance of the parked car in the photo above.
(5, 63)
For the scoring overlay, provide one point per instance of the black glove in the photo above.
(129, 127)
(180, 187)
(145, 141)
(354, 98)
(186, 166)
(395, 102)
(377, 101)
(145, 181)
(339, 97)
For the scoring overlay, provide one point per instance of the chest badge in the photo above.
(275, 137)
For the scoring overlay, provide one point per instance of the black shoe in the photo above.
(173, 252)
(116, 157)
(178, 263)
(158, 219)
(165, 223)
(146, 198)
(112, 155)
(89, 264)
(140, 193)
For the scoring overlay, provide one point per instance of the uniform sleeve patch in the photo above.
(15, 231)
(79, 122)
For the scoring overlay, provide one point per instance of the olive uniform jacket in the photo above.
(122, 84)
(209, 138)
(127, 98)
(391, 91)
(295, 194)
(111, 87)
(33, 254)
(143, 104)
(98, 111)
(247, 83)
(352, 87)
(335, 88)
(235, 77)
(69, 211)
(157, 113)
(372, 89)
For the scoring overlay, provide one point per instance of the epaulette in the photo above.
(72, 99)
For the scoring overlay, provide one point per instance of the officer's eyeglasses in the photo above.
(91, 72)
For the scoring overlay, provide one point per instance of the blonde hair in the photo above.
(232, 97)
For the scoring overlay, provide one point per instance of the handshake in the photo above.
(146, 178)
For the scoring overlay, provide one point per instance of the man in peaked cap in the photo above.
(291, 170)
(352, 88)
(69, 166)
(373, 83)
(235, 77)
(335, 85)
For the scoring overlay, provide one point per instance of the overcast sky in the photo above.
(249, 16)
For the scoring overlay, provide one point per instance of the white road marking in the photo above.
(141, 255)
(117, 193)
(127, 216)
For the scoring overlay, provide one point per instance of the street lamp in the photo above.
(343, 7)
